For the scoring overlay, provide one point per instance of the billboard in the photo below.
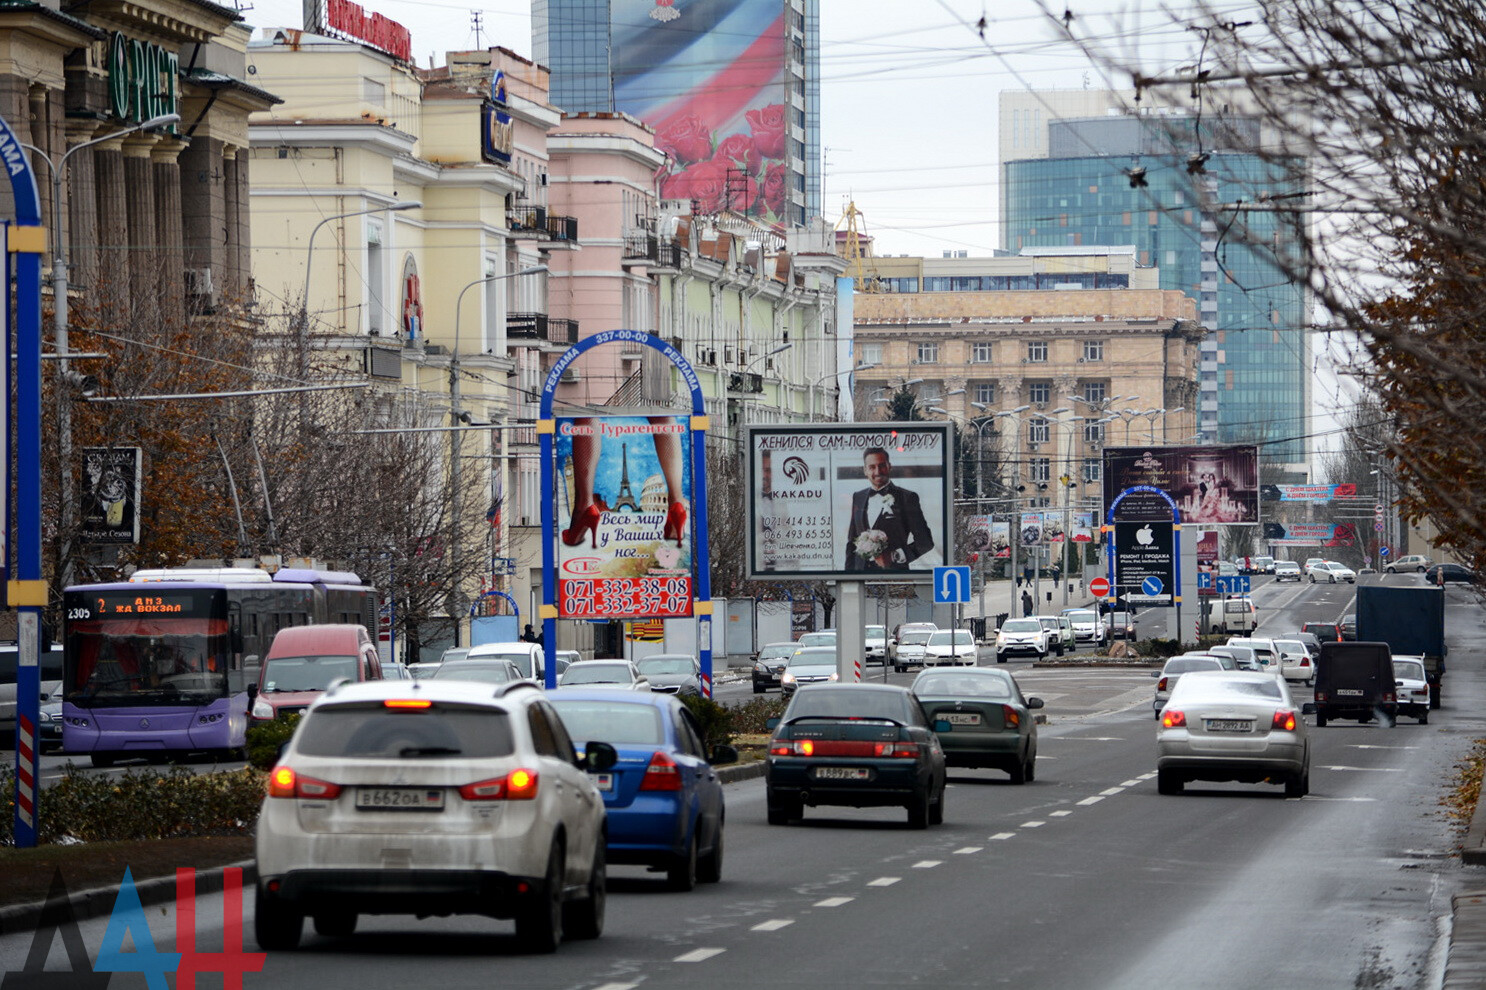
(1309, 534)
(844, 501)
(623, 517)
(710, 79)
(1145, 562)
(110, 495)
(1306, 493)
(989, 535)
(1208, 484)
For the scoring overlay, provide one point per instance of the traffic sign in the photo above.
(1377, 527)
(1204, 580)
(1234, 584)
(1099, 587)
(1383, 551)
(1152, 585)
(951, 585)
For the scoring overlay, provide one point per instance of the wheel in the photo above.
(900, 668)
(585, 918)
(335, 924)
(1168, 782)
(1019, 772)
(275, 925)
(682, 873)
(539, 919)
(758, 688)
(709, 867)
(1424, 717)
(918, 811)
(102, 759)
(1031, 771)
(1320, 719)
(936, 810)
(1298, 785)
(785, 810)
(1310, 682)
(1000, 658)
(1313, 579)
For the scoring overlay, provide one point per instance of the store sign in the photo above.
(142, 80)
(1145, 562)
(497, 136)
(379, 32)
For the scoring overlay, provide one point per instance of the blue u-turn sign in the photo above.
(951, 585)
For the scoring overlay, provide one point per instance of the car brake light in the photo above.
(1011, 715)
(1305, 661)
(781, 749)
(902, 750)
(1171, 719)
(1284, 720)
(1161, 684)
(407, 703)
(283, 782)
(1320, 695)
(661, 775)
(1389, 696)
(518, 785)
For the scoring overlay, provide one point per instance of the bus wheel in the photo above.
(102, 759)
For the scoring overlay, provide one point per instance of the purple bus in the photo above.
(161, 665)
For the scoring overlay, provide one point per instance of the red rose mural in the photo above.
(705, 183)
(739, 150)
(767, 125)
(686, 139)
(776, 187)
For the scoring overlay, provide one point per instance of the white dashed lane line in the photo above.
(1367, 769)
(883, 881)
(968, 850)
(927, 864)
(773, 925)
(834, 901)
(698, 955)
(1033, 824)
(1000, 836)
(1090, 800)
(1130, 783)
(1110, 792)
(616, 986)
(1059, 814)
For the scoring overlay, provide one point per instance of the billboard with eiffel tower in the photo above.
(624, 515)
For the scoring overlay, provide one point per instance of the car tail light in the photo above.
(283, 782)
(781, 748)
(1320, 695)
(1161, 684)
(661, 775)
(407, 703)
(1011, 715)
(518, 785)
(1389, 696)
(1171, 719)
(1305, 661)
(898, 750)
(1284, 720)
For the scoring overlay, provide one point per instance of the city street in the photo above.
(1084, 878)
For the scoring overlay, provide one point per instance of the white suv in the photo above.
(433, 797)
(1021, 637)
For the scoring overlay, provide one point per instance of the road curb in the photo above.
(1465, 967)
(741, 771)
(1473, 849)
(99, 901)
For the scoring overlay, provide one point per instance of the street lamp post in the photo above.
(835, 374)
(60, 317)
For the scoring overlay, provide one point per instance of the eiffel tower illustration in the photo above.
(626, 498)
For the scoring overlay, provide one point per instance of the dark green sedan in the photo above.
(982, 719)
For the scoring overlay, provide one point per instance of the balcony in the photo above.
(540, 326)
(529, 221)
(652, 250)
(562, 228)
(747, 382)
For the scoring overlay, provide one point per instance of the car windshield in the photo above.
(847, 703)
(618, 722)
(373, 731)
(1185, 665)
(1021, 626)
(522, 660)
(312, 673)
(876, 632)
(666, 665)
(1411, 669)
(473, 670)
(777, 651)
(950, 637)
(813, 657)
(598, 673)
(818, 639)
(455, 653)
(992, 685)
(1083, 617)
(915, 638)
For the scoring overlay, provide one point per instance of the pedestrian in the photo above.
(529, 636)
(1026, 604)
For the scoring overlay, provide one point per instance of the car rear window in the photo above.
(611, 721)
(377, 732)
(963, 686)
(472, 670)
(849, 702)
(1216, 688)
(1180, 666)
(1409, 669)
(597, 673)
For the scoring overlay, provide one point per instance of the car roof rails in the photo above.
(504, 689)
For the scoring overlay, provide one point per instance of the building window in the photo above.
(985, 393)
(1037, 351)
(980, 352)
(869, 354)
(1039, 392)
(376, 279)
(1037, 431)
(930, 393)
(1093, 432)
(1042, 469)
(928, 352)
(1091, 469)
(1093, 350)
(1094, 392)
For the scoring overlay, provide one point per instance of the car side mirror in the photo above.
(1309, 708)
(771, 724)
(1155, 673)
(598, 757)
(723, 754)
(942, 725)
(1398, 683)
(1034, 702)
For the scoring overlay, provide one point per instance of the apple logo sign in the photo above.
(1143, 536)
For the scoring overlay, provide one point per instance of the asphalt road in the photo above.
(1084, 878)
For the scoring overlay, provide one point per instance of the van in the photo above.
(1355, 680)
(526, 656)
(50, 663)
(1228, 615)
(303, 661)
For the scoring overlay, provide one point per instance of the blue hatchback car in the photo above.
(663, 797)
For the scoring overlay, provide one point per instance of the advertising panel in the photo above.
(1306, 493)
(848, 500)
(624, 493)
(1145, 562)
(110, 495)
(709, 78)
(1310, 534)
(1209, 484)
(989, 535)
(1207, 563)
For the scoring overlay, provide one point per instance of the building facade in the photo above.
(732, 92)
(1078, 169)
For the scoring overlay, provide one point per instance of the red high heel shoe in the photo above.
(675, 522)
(586, 521)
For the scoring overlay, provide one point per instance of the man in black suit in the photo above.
(891, 510)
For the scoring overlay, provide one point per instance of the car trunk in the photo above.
(967, 716)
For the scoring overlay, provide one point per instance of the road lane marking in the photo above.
(1111, 791)
(1089, 738)
(698, 955)
(1366, 746)
(927, 864)
(883, 881)
(616, 986)
(1147, 776)
(1090, 800)
(1033, 824)
(1130, 783)
(834, 901)
(1001, 835)
(1313, 797)
(773, 925)
(1377, 769)
(967, 850)
(1059, 814)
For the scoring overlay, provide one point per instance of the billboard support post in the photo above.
(851, 638)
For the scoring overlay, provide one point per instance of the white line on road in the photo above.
(1089, 738)
(1378, 769)
(1366, 746)
(1033, 824)
(1147, 776)
(698, 955)
(883, 881)
(616, 986)
(1313, 797)
(967, 850)
(1090, 800)
(773, 925)
(834, 901)
(1110, 792)
(1059, 814)
(927, 864)
(1001, 835)
(1129, 783)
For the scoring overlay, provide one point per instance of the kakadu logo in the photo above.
(128, 919)
(796, 470)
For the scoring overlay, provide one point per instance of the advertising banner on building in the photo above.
(989, 535)
(710, 79)
(1309, 534)
(110, 495)
(848, 500)
(1209, 484)
(624, 540)
(1306, 493)
(1145, 562)
(1207, 563)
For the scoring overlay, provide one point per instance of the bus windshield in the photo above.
(146, 661)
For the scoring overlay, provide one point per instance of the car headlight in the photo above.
(835, 676)
(760, 668)
(47, 717)
(262, 709)
(788, 678)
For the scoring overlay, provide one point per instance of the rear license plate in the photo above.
(962, 718)
(1350, 692)
(1228, 725)
(399, 799)
(841, 773)
(603, 781)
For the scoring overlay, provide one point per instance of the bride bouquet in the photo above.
(870, 544)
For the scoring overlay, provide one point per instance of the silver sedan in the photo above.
(1232, 725)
